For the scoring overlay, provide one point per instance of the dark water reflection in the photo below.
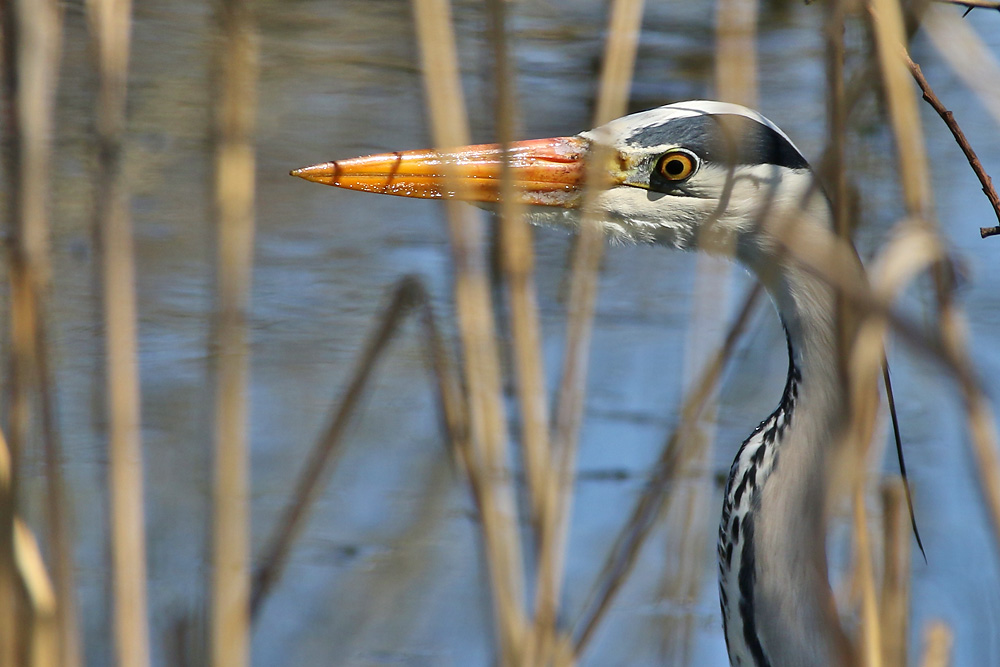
(388, 568)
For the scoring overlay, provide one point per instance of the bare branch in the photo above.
(408, 295)
(963, 143)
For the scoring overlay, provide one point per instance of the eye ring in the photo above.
(677, 165)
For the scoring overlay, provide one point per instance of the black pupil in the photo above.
(675, 166)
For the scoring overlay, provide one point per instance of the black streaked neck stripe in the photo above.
(770, 431)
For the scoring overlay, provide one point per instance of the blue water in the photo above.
(388, 570)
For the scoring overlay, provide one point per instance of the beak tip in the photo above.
(317, 173)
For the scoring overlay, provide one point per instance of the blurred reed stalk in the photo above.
(735, 80)
(409, 294)
(894, 605)
(110, 22)
(860, 358)
(42, 636)
(474, 311)
(887, 22)
(38, 643)
(234, 107)
(624, 24)
(657, 495)
(893, 269)
(518, 260)
(937, 645)
(33, 630)
(833, 165)
(862, 362)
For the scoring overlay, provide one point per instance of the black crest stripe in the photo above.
(723, 139)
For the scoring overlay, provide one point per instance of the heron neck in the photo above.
(794, 612)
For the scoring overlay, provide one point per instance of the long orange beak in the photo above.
(546, 172)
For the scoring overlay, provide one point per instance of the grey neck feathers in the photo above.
(778, 608)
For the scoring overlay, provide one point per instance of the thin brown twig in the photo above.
(963, 143)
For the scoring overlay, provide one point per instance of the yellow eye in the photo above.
(676, 165)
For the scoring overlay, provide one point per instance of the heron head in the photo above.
(691, 174)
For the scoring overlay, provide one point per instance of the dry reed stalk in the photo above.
(11, 607)
(937, 645)
(624, 25)
(735, 81)
(736, 51)
(235, 108)
(890, 36)
(833, 32)
(66, 622)
(43, 635)
(9, 603)
(14, 610)
(31, 40)
(40, 640)
(861, 368)
(870, 651)
(861, 364)
(943, 30)
(835, 156)
(895, 601)
(319, 465)
(321, 462)
(518, 260)
(476, 330)
(914, 251)
(110, 26)
(887, 22)
(904, 118)
(837, 179)
(657, 495)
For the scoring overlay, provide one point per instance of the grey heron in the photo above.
(720, 178)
